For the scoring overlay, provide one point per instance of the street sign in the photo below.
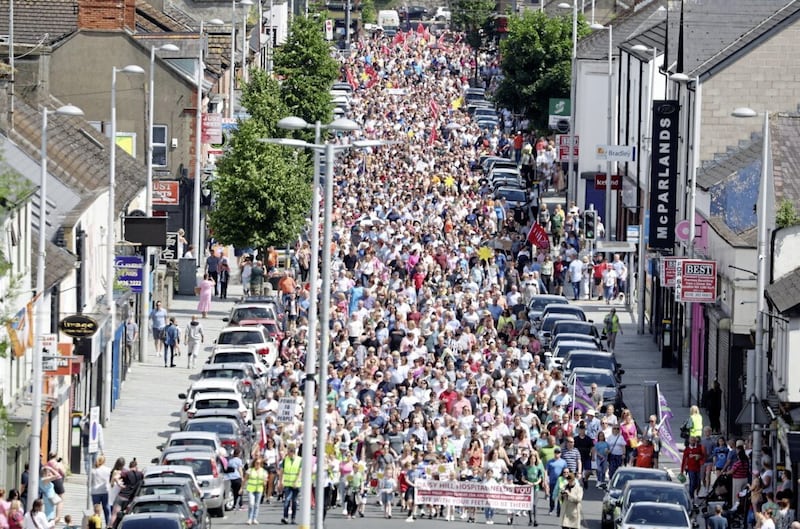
(562, 140)
(129, 271)
(94, 429)
(559, 110)
(668, 271)
(49, 352)
(286, 407)
(615, 153)
(696, 281)
(600, 182)
(166, 193)
(632, 233)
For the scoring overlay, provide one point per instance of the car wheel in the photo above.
(219, 512)
(228, 500)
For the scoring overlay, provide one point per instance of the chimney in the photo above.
(108, 15)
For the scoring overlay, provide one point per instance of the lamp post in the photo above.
(610, 228)
(330, 151)
(131, 69)
(232, 74)
(41, 319)
(761, 277)
(572, 183)
(148, 207)
(198, 146)
(245, 42)
(642, 250)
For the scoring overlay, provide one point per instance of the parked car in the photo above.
(564, 308)
(208, 468)
(165, 503)
(593, 343)
(238, 370)
(557, 355)
(539, 302)
(255, 335)
(245, 354)
(548, 324)
(232, 433)
(213, 385)
(230, 401)
(606, 382)
(585, 358)
(617, 483)
(251, 311)
(181, 486)
(206, 439)
(154, 520)
(576, 327)
(637, 490)
(654, 515)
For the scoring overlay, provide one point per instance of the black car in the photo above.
(152, 520)
(180, 485)
(232, 432)
(582, 358)
(617, 483)
(166, 503)
(606, 382)
(575, 327)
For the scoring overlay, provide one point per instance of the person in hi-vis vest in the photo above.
(289, 478)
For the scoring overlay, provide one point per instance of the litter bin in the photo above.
(187, 277)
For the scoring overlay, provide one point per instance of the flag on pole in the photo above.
(580, 398)
(537, 236)
(434, 108)
(669, 446)
(262, 440)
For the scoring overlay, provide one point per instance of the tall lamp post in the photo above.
(198, 146)
(330, 151)
(245, 41)
(610, 221)
(232, 74)
(41, 317)
(131, 69)
(148, 203)
(642, 250)
(761, 277)
(572, 183)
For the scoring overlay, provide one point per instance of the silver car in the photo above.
(655, 515)
(210, 472)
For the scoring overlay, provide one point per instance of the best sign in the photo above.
(696, 281)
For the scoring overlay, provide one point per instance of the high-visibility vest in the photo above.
(256, 479)
(291, 472)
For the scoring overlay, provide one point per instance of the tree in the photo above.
(307, 70)
(476, 19)
(368, 13)
(536, 63)
(786, 215)
(262, 191)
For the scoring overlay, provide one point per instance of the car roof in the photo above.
(159, 497)
(566, 316)
(192, 435)
(589, 352)
(239, 348)
(644, 471)
(215, 382)
(168, 469)
(166, 480)
(654, 483)
(578, 370)
(192, 454)
(218, 395)
(131, 519)
(229, 365)
(658, 504)
(580, 322)
(563, 307)
(238, 328)
(210, 413)
(211, 419)
(574, 337)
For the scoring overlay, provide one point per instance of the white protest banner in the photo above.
(286, 410)
(473, 494)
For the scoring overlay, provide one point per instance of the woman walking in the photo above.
(255, 479)
(233, 473)
(224, 274)
(99, 479)
(205, 290)
(35, 518)
(571, 499)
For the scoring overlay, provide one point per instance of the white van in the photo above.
(389, 20)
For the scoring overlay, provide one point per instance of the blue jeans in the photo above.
(253, 504)
(602, 468)
(488, 513)
(576, 289)
(614, 462)
(694, 482)
(290, 500)
(102, 499)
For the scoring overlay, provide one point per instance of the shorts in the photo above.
(158, 333)
(597, 281)
(409, 494)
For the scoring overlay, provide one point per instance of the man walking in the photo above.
(611, 323)
(212, 269)
(289, 476)
(194, 337)
(158, 322)
(172, 340)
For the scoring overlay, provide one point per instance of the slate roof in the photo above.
(625, 27)
(726, 164)
(746, 239)
(77, 154)
(58, 262)
(785, 292)
(48, 21)
(715, 31)
(785, 146)
(151, 20)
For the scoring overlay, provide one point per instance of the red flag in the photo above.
(537, 236)
(434, 108)
(433, 137)
(420, 28)
(350, 80)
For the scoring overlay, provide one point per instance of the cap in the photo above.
(739, 444)
(590, 411)
(557, 450)
(378, 373)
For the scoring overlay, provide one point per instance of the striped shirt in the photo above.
(572, 457)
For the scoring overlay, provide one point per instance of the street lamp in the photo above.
(761, 277)
(148, 207)
(345, 125)
(41, 319)
(572, 183)
(245, 42)
(131, 69)
(642, 253)
(232, 80)
(198, 146)
(610, 126)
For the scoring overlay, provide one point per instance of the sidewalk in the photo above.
(148, 408)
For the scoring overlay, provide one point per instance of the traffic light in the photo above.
(590, 224)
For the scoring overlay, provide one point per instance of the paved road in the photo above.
(148, 411)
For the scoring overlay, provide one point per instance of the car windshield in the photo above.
(201, 467)
(200, 391)
(210, 404)
(548, 322)
(221, 427)
(224, 358)
(224, 373)
(575, 327)
(240, 338)
(658, 494)
(151, 522)
(511, 195)
(252, 313)
(602, 379)
(159, 506)
(160, 489)
(195, 442)
(591, 361)
(649, 515)
(622, 476)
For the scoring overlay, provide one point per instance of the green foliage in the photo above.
(307, 70)
(369, 15)
(537, 63)
(786, 215)
(262, 191)
(476, 19)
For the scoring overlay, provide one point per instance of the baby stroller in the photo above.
(735, 504)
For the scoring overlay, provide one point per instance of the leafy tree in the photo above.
(537, 63)
(369, 15)
(307, 70)
(476, 19)
(786, 215)
(262, 191)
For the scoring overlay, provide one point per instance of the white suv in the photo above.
(251, 335)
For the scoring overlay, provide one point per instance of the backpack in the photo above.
(686, 428)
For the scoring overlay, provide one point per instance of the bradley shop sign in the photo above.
(663, 174)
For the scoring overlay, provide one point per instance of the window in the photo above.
(159, 146)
